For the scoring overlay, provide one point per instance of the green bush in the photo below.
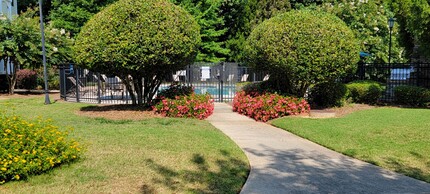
(138, 39)
(302, 47)
(258, 88)
(364, 91)
(412, 95)
(328, 94)
(175, 89)
(29, 148)
(26, 79)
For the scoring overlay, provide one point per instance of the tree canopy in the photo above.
(20, 43)
(138, 39)
(301, 48)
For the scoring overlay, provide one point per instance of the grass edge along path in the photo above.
(154, 155)
(397, 139)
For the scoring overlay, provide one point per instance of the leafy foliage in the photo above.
(258, 88)
(73, 14)
(20, 43)
(300, 48)
(138, 40)
(414, 18)
(328, 94)
(268, 106)
(26, 79)
(198, 106)
(32, 147)
(365, 91)
(368, 21)
(412, 95)
(212, 27)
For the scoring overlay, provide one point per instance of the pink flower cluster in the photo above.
(198, 106)
(268, 106)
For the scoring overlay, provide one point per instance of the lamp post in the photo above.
(45, 76)
(390, 26)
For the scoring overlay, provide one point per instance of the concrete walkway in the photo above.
(284, 163)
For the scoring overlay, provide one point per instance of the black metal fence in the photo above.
(220, 80)
(393, 75)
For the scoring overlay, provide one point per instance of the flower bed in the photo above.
(268, 106)
(192, 106)
(32, 147)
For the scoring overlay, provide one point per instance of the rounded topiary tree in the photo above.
(302, 47)
(141, 41)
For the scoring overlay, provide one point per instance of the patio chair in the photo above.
(230, 78)
(244, 78)
(114, 85)
(76, 86)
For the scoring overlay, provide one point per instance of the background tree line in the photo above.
(225, 24)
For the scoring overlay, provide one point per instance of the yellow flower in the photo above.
(17, 177)
(3, 169)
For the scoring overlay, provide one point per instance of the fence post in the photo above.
(222, 82)
(99, 85)
(77, 84)
(62, 82)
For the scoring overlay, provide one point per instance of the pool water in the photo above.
(213, 90)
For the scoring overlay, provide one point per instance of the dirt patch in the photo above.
(117, 112)
(54, 96)
(348, 109)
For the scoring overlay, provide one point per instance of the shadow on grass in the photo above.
(118, 107)
(405, 169)
(229, 178)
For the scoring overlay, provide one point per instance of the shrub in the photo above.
(198, 106)
(365, 91)
(175, 89)
(258, 88)
(412, 95)
(26, 79)
(143, 39)
(268, 106)
(29, 148)
(328, 94)
(302, 47)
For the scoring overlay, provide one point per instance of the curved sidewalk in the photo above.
(284, 163)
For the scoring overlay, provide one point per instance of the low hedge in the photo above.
(328, 94)
(412, 95)
(364, 91)
(32, 147)
(198, 106)
(26, 79)
(268, 106)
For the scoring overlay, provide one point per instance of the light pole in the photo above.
(45, 75)
(390, 26)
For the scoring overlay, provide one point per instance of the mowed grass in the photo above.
(155, 155)
(394, 138)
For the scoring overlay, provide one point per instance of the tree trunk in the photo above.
(128, 81)
(152, 83)
(10, 76)
(138, 87)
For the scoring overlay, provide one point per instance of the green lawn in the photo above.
(157, 155)
(394, 138)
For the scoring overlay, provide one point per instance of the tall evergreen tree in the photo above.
(212, 28)
(73, 14)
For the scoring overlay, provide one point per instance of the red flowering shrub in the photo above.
(26, 79)
(268, 106)
(198, 106)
